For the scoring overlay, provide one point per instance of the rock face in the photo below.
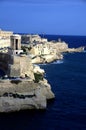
(38, 70)
(18, 95)
(47, 58)
(79, 49)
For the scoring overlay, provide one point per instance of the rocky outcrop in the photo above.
(79, 49)
(18, 95)
(38, 70)
(47, 58)
(57, 55)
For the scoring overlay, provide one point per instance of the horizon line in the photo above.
(49, 34)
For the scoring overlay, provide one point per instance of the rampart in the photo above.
(4, 62)
(16, 65)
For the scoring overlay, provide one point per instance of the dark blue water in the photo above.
(68, 110)
(73, 41)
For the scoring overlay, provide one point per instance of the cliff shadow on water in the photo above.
(24, 120)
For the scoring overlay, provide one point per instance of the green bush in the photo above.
(38, 77)
(23, 48)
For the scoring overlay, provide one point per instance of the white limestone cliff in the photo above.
(24, 95)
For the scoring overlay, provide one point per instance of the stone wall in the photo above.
(20, 66)
(26, 66)
(4, 43)
(16, 66)
(4, 61)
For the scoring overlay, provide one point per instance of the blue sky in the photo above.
(61, 17)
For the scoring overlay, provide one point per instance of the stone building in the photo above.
(4, 43)
(15, 44)
(5, 34)
(26, 39)
(5, 38)
(32, 39)
(40, 49)
(20, 66)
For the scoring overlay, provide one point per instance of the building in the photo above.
(5, 38)
(32, 39)
(5, 34)
(40, 49)
(15, 45)
(4, 43)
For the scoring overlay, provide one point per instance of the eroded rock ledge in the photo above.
(24, 95)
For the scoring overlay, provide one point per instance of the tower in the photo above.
(16, 44)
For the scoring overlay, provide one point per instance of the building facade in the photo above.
(5, 34)
(5, 38)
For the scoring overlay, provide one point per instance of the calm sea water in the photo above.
(68, 111)
(73, 41)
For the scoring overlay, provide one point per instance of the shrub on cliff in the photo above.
(38, 77)
(23, 48)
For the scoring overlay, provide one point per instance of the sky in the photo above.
(60, 17)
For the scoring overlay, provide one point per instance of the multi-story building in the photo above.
(40, 49)
(32, 39)
(5, 34)
(5, 38)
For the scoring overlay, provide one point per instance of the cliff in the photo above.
(47, 58)
(18, 95)
(24, 86)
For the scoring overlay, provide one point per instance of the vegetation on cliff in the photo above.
(38, 77)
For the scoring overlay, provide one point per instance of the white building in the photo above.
(4, 43)
(5, 38)
(40, 49)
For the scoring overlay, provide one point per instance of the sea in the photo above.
(68, 81)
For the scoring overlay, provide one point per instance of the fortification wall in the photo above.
(4, 61)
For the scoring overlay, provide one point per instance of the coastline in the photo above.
(51, 58)
(29, 89)
(43, 51)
